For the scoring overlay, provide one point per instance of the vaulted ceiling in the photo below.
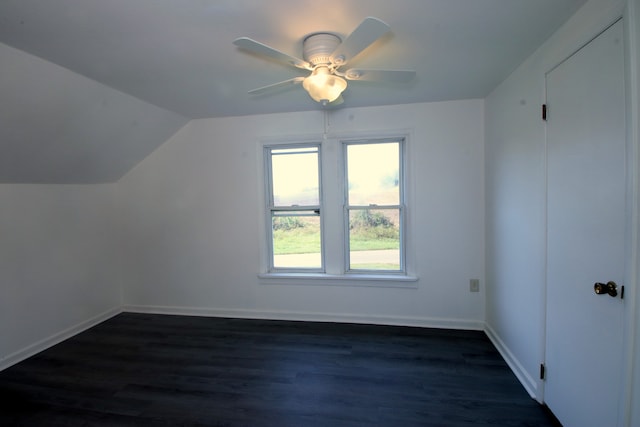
(88, 88)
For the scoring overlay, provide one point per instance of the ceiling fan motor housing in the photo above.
(317, 48)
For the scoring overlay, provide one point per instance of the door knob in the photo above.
(606, 288)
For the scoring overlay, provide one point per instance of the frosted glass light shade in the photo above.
(323, 86)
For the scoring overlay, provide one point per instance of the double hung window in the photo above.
(357, 211)
(373, 208)
(295, 207)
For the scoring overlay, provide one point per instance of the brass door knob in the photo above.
(606, 288)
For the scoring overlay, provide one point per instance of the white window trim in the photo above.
(338, 277)
(347, 279)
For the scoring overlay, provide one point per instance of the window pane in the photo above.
(373, 173)
(296, 241)
(374, 239)
(295, 177)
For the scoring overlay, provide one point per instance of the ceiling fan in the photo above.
(324, 55)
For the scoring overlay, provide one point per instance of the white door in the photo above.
(586, 232)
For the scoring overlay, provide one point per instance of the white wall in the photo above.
(515, 195)
(191, 220)
(58, 264)
(59, 127)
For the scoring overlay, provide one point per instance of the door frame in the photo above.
(631, 315)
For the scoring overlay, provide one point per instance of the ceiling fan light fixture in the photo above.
(323, 86)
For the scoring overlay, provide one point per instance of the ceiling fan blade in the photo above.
(262, 49)
(369, 30)
(275, 86)
(392, 76)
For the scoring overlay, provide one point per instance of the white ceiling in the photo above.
(178, 58)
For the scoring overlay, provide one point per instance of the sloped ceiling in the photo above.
(88, 88)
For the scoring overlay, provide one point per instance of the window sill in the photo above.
(376, 280)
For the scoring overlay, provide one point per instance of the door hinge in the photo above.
(544, 112)
(542, 372)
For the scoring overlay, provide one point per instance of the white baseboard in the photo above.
(440, 323)
(527, 381)
(56, 338)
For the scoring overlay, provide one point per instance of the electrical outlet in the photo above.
(474, 285)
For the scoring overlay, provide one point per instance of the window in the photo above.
(339, 202)
(373, 212)
(294, 207)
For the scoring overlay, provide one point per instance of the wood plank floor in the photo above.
(155, 370)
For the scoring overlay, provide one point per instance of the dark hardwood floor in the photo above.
(155, 370)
